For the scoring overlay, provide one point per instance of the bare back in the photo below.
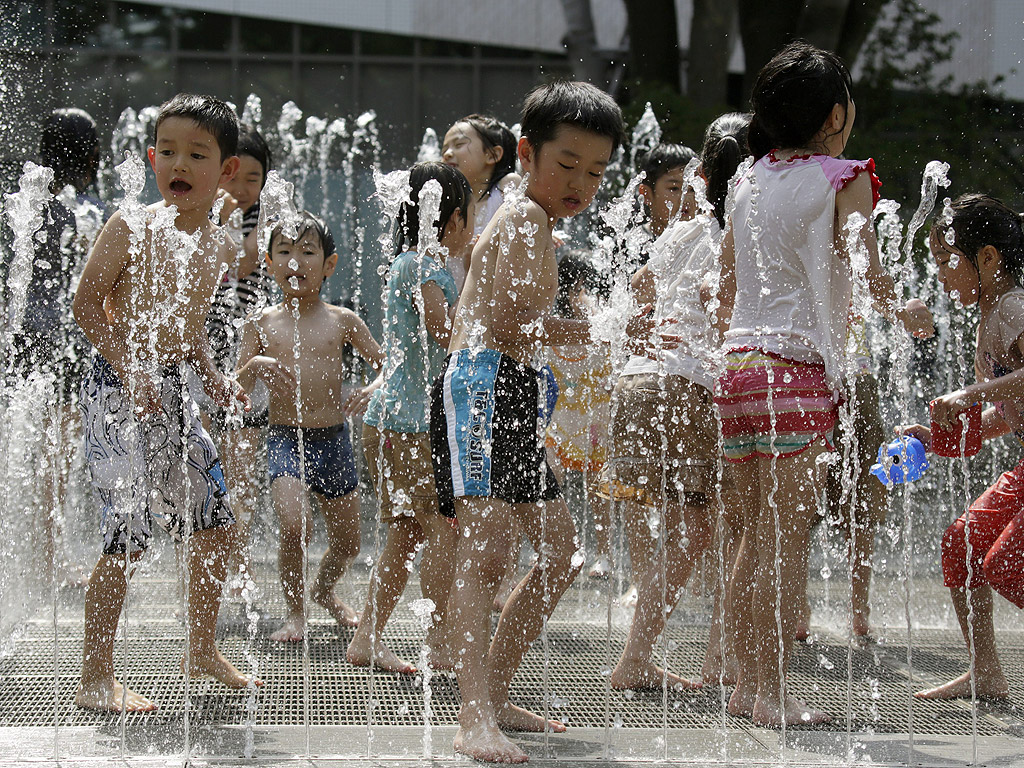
(512, 281)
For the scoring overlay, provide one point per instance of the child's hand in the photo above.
(278, 377)
(944, 409)
(642, 323)
(921, 432)
(145, 394)
(917, 319)
(359, 399)
(225, 392)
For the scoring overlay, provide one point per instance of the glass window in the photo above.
(385, 88)
(496, 52)
(326, 89)
(502, 90)
(265, 36)
(147, 80)
(325, 40)
(199, 31)
(446, 94)
(374, 44)
(143, 27)
(215, 77)
(272, 82)
(446, 48)
(78, 24)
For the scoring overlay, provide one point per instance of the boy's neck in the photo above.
(304, 303)
(990, 294)
(191, 220)
(552, 221)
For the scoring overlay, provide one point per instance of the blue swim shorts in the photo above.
(328, 466)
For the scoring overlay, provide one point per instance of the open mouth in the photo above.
(180, 187)
(571, 203)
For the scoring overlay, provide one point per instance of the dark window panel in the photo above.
(199, 31)
(265, 36)
(325, 40)
(79, 24)
(143, 27)
(446, 94)
(375, 44)
(326, 89)
(446, 48)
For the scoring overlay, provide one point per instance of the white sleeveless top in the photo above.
(793, 291)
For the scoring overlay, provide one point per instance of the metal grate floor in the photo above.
(38, 678)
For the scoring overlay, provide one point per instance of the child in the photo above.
(486, 436)
(980, 255)
(396, 428)
(786, 280)
(665, 435)
(484, 150)
(295, 348)
(147, 451)
(242, 293)
(578, 433)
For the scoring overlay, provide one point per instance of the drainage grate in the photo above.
(575, 653)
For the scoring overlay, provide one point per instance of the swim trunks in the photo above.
(327, 467)
(487, 423)
(162, 467)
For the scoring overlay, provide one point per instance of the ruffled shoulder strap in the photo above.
(842, 172)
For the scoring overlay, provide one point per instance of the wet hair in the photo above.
(562, 102)
(980, 220)
(494, 133)
(793, 95)
(251, 143)
(307, 222)
(573, 270)
(725, 146)
(70, 145)
(662, 158)
(456, 195)
(210, 114)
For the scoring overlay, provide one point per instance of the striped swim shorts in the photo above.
(773, 406)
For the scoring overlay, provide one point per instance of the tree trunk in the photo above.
(581, 43)
(707, 71)
(861, 17)
(653, 41)
(765, 27)
(821, 22)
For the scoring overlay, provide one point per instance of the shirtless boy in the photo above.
(144, 308)
(296, 349)
(486, 439)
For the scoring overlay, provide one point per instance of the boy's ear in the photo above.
(151, 154)
(330, 263)
(229, 168)
(989, 256)
(494, 154)
(646, 192)
(526, 152)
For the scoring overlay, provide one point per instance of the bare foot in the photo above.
(384, 658)
(803, 631)
(628, 599)
(987, 687)
(110, 696)
(221, 670)
(342, 614)
(861, 626)
(718, 672)
(292, 631)
(442, 658)
(645, 676)
(741, 703)
(513, 718)
(485, 741)
(767, 713)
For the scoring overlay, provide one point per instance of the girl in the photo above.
(786, 279)
(665, 436)
(396, 438)
(484, 150)
(984, 550)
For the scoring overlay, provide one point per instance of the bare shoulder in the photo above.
(346, 318)
(525, 225)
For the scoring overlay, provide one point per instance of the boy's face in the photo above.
(300, 266)
(247, 184)
(188, 165)
(566, 172)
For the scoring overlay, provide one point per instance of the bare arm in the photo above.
(254, 364)
(436, 313)
(363, 342)
(644, 289)
(856, 197)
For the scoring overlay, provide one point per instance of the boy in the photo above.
(296, 349)
(487, 438)
(143, 307)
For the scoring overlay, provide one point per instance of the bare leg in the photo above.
(479, 567)
(436, 569)
(387, 582)
(787, 505)
(344, 538)
(600, 508)
(291, 503)
(739, 599)
(862, 548)
(553, 535)
(510, 578)
(104, 599)
(720, 657)
(207, 569)
(662, 581)
(241, 456)
(642, 545)
(990, 682)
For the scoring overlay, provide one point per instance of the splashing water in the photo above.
(24, 211)
(430, 148)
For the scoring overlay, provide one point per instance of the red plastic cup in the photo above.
(954, 442)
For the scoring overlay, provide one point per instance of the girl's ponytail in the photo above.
(724, 149)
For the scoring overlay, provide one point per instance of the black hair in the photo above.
(793, 95)
(494, 133)
(70, 145)
(562, 102)
(456, 195)
(251, 143)
(725, 146)
(574, 269)
(306, 222)
(980, 220)
(662, 158)
(208, 113)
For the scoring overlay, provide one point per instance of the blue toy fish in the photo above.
(901, 461)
